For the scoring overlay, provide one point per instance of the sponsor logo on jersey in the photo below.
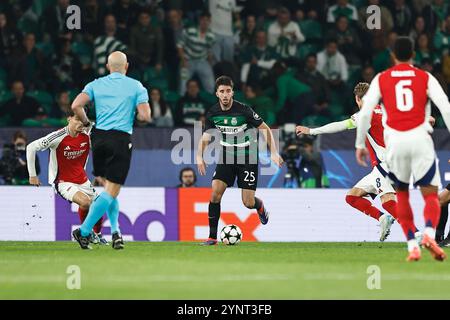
(70, 155)
(256, 116)
(234, 121)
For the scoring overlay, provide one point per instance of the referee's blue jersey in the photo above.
(116, 97)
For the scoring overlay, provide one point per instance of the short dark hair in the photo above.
(403, 49)
(224, 81)
(20, 134)
(185, 170)
(204, 14)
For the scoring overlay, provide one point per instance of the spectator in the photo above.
(187, 178)
(146, 42)
(190, 107)
(172, 33)
(257, 60)
(347, 39)
(442, 38)
(92, 19)
(13, 164)
(66, 68)
(222, 27)
(342, 8)
(106, 44)
(332, 64)
(263, 105)
(435, 14)
(367, 74)
(9, 41)
(293, 97)
(29, 65)
(54, 19)
(20, 107)
(419, 28)
(247, 37)
(312, 169)
(424, 51)
(383, 60)
(284, 34)
(125, 12)
(387, 22)
(161, 113)
(402, 15)
(194, 50)
(62, 106)
(319, 85)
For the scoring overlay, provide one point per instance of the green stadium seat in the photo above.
(208, 97)
(336, 110)
(304, 49)
(83, 51)
(43, 97)
(171, 97)
(26, 25)
(315, 121)
(46, 47)
(238, 95)
(5, 96)
(39, 6)
(155, 79)
(311, 29)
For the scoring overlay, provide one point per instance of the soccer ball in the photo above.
(231, 234)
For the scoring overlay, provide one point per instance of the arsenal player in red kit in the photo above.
(69, 151)
(405, 92)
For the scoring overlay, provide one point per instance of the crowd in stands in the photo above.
(292, 60)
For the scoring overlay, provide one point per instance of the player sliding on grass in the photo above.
(406, 92)
(239, 153)
(375, 183)
(69, 151)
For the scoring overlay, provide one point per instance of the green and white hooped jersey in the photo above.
(238, 126)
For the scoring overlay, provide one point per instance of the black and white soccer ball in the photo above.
(231, 234)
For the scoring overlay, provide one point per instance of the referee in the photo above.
(116, 98)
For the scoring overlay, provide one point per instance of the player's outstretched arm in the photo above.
(333, 127)
(268, 136)
(201, 166)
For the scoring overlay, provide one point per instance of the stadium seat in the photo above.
(83, 51)
(26, 25)
(208, 97)
(315, 121)
(155, 79)
(46, 47)
(5, 96)
(311, 29)
(43, 97)
(171, 97)
(304, 49)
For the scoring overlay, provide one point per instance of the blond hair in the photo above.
(361, 89)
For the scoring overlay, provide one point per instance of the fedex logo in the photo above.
(158, 214)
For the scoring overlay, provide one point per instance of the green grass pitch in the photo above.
(175, 270)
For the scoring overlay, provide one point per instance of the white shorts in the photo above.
(411, 155)
(67, 190)
(375, 183)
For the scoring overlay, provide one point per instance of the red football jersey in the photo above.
(403, 90)
(68, 156)
(375, 136)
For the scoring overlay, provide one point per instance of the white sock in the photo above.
(429, 231)
(412, 244)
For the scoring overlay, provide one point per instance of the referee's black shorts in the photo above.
(111, 152)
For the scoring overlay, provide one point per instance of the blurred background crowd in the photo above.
(292, 60)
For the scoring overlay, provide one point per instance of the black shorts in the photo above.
(448, 187)
(111, 151)
(247, 175)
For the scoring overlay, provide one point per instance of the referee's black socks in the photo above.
(213, 215)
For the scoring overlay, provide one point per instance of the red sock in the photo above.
(391, 207)
(405, 214)
(363, 205)
(432, 210)
(82, 213)
(98, 226)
